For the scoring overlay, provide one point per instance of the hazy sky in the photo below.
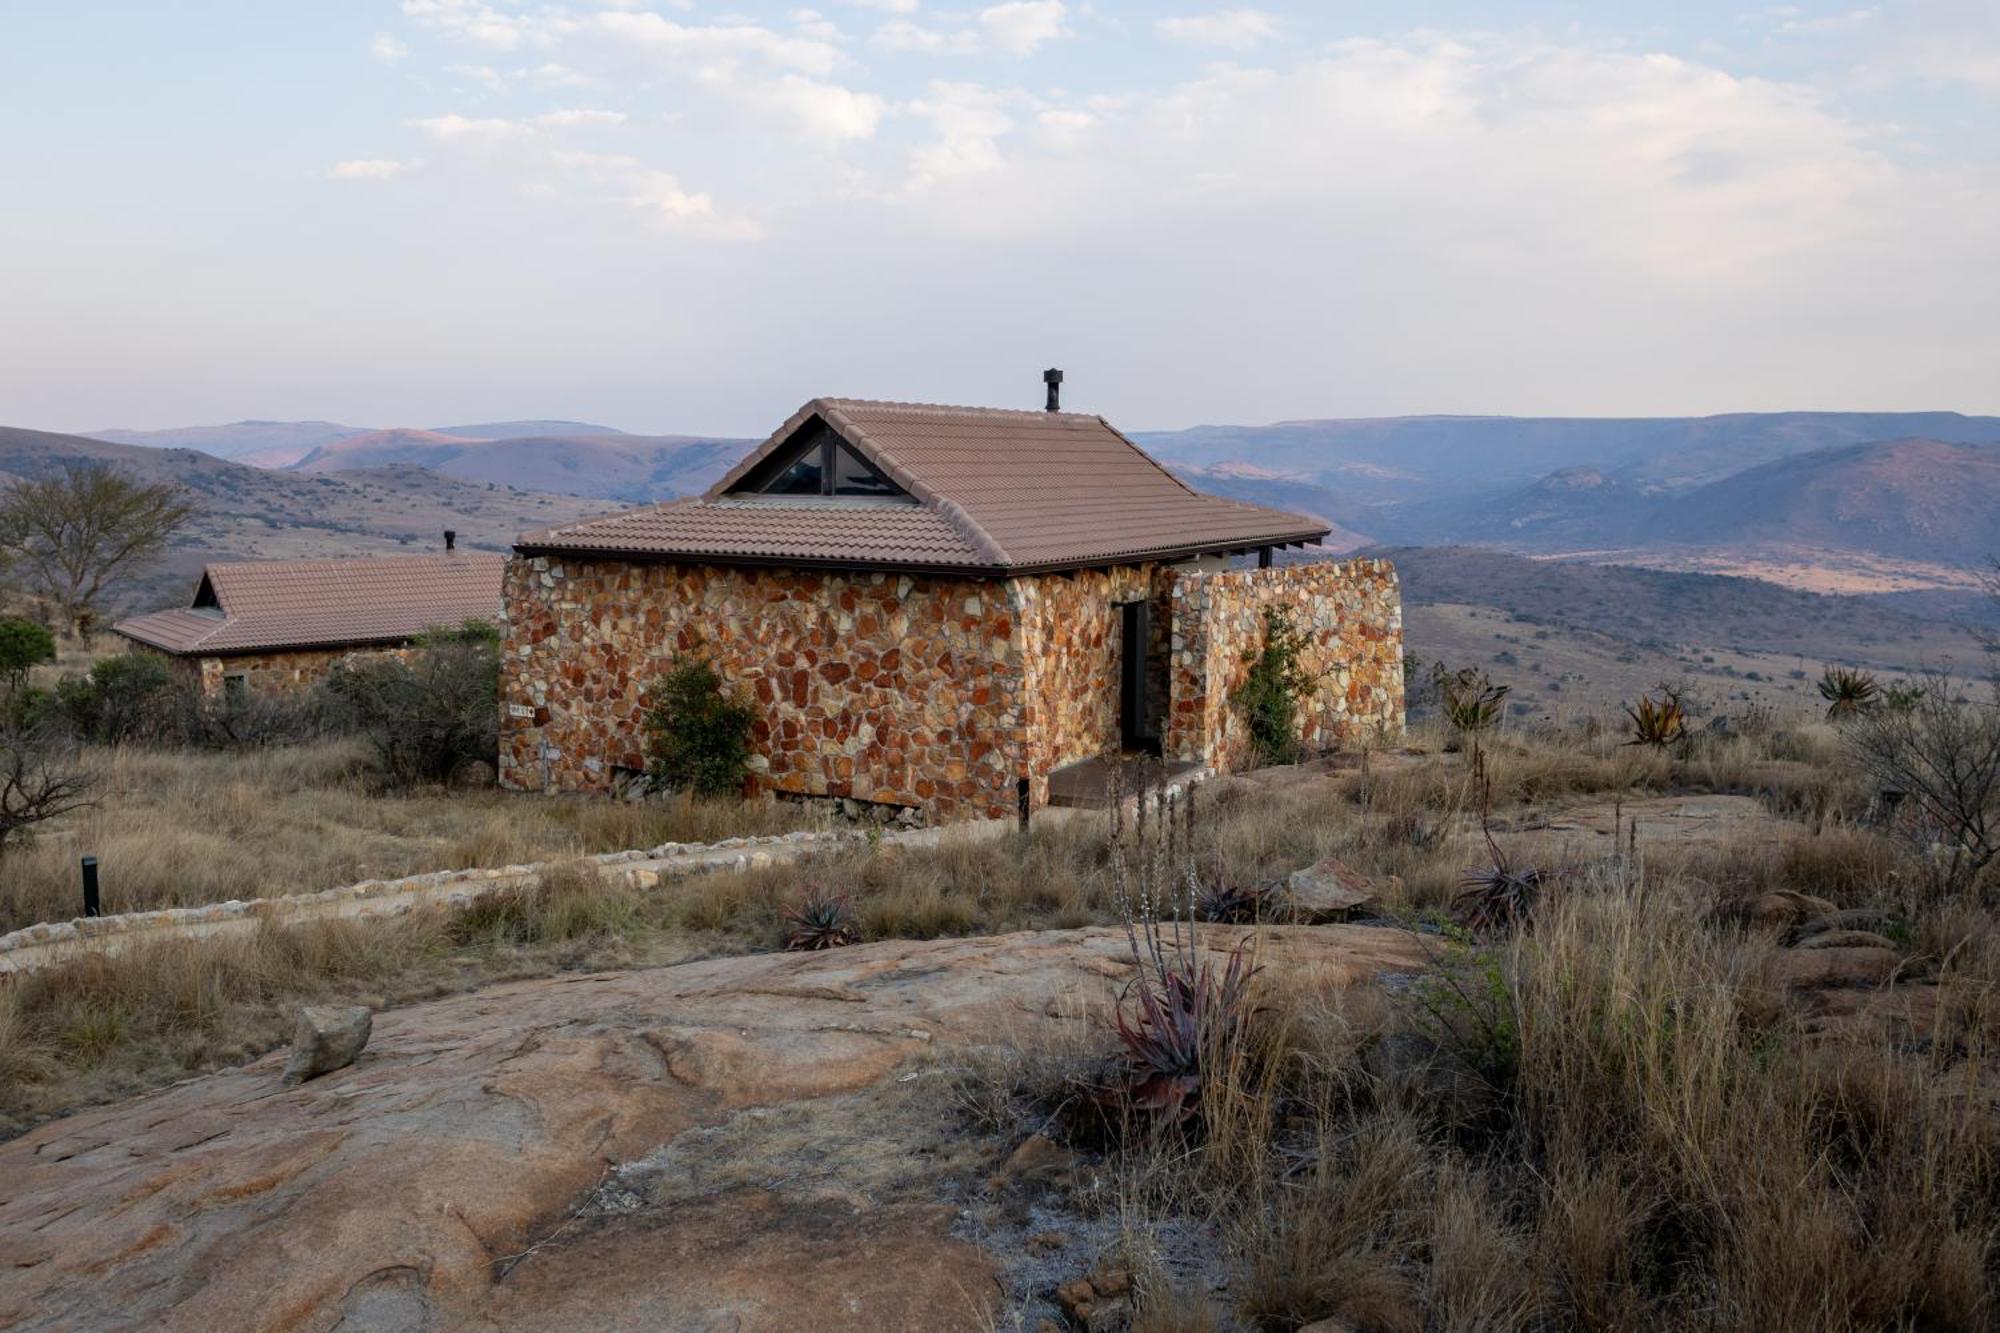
(693, 216)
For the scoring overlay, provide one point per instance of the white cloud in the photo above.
(487, 132)
(387, 49)
(1514, 153)
(889, 6)
(823, 111)
(574, 118)
(1232, 29)
(481, 25)
(1015, 29)
(967, 123)
(373, 168)
(484, 75)
(663, 45)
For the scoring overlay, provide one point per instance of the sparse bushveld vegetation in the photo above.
(24, 645)
(429, 713)
(1617, 1099)
(80, 531)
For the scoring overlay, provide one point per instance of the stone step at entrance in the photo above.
(1089, 784)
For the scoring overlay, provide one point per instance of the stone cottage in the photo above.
(267, 626)
(929, 605)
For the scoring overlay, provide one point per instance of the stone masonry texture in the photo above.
(932, 692)
(269, 673)
(1351, 611)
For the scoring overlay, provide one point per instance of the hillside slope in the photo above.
(250, 513)
(633, 468)
(242, 440)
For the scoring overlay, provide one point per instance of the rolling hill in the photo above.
(250, 513)
(633, 468)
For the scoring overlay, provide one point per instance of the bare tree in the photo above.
(39, 781)
(79, 531)
(1936, 757)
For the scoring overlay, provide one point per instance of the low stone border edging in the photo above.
(52, 942)
(49, 943)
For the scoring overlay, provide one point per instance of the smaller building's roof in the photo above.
(985, 491)
(261, 605)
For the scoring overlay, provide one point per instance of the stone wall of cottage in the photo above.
(1073, 652)
(263, 673)
(878, 687)
(1352, 611)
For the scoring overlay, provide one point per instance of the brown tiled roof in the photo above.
(999, 491)
(266, 604)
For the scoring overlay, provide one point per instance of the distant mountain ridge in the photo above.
(1540, 484)
(248, 513)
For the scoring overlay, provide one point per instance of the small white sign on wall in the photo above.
(519, 710)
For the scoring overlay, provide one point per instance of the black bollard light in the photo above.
(90, 905)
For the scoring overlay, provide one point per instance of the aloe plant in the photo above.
(1180, 1013)
(820, 920)
(1847, 692)
(1658, 722)
(1225, 901)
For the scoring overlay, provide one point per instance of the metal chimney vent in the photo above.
(450, 539)
(1053, 378)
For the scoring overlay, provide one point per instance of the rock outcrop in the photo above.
(747, 1143)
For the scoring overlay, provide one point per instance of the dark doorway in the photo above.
(1136, 728)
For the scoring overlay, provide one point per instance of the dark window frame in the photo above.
(827, 443)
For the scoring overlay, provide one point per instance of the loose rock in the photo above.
(1326, 890)
(326, 1039)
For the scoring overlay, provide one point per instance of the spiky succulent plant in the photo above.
(820, 920)
(1847, 692)
(1181, 1014)
(1498, 896)
(1231, 903)
(1658, 722)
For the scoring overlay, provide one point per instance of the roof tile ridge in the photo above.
(968, 528)
(961, 409)
(1128, 442)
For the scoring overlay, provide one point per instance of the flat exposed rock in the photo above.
(1810, 969)
(732, 1144)
(1846, 939)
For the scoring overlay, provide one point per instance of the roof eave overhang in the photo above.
(754, 561)
(318, 645)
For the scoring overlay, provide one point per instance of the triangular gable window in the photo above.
(204, 596)
(819, 462)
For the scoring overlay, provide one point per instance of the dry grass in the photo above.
(1605, 1122)
(178, 828)
(1601, 1122)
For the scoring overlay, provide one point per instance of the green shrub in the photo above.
(1277, 684)
(123, 699)
(429, 716)
(700, 735)
(23, 644)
